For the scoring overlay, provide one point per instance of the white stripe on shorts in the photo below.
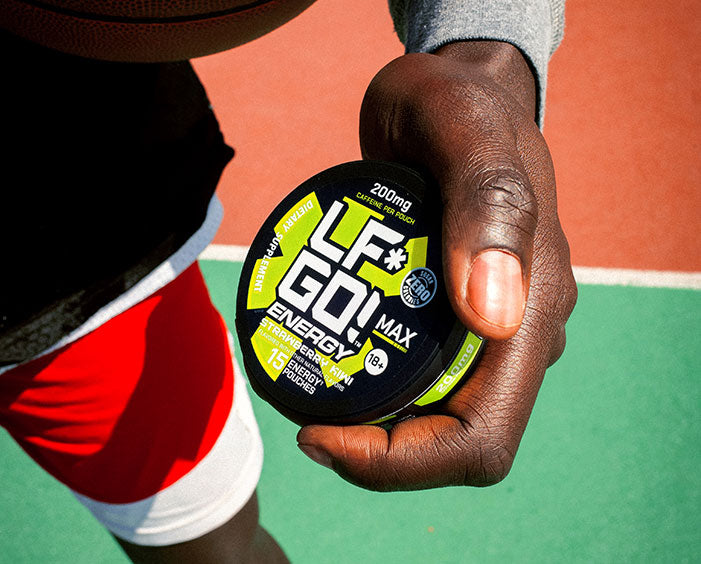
(206, 497)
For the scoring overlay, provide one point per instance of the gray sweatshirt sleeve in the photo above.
(534, 26)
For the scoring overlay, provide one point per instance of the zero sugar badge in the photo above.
(342, 314)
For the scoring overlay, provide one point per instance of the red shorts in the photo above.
(140, 419)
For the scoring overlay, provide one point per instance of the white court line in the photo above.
(643, 278)
(583, 274)
(233, 253)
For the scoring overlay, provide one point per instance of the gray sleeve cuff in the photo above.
(534, 26)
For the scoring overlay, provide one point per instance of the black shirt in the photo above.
(107, 169)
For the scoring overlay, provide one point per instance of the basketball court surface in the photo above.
(608, 469)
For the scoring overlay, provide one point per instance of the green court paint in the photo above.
(342, 314)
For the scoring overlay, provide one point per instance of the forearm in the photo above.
(533, 27)
(501, 63)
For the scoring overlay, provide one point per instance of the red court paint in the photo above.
(621, 121)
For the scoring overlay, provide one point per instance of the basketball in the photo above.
(151, 31)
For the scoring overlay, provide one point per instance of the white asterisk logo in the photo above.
(396, 259)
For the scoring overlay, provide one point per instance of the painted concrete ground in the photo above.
(607, 470)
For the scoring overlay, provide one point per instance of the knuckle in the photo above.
(491, 464)
(571, 294)
(566, 303)
(506, 199)
(554, 285)
(488, 457)
(374, 478)
(558, 347)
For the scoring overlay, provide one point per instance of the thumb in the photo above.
(489, 221)
(422, 111)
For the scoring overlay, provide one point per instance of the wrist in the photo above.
(499, 62)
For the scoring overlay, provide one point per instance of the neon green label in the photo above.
(454, 373)
(274, 346)
(291, 233)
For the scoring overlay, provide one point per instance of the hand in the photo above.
(466, 114)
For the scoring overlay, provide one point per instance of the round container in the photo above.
(342, 314)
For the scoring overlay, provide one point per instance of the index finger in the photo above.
(472, 442)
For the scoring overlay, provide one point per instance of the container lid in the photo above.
(342, 314)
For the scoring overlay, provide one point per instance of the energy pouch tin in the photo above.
(342, 314)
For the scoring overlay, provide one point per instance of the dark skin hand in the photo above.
(466, 114)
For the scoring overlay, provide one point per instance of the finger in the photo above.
(473, 441)
(465, 139)
(475, 438)
(425, 452)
